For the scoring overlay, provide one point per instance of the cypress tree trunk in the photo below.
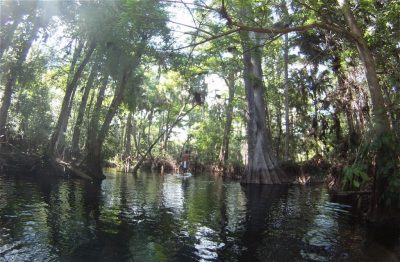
(262, 167)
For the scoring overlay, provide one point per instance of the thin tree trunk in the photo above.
(127, 143)
(81, 112)
(135, 140)
(128, 135)
(337, 127)
(381, 119)
(13, 75)
(112, 110)
(87, 116)
(92, 148)
(75, 57)
(95, 116)
(262, 167)
(165, 138)
(70, 104)
(72, 68)
(287, 124)
(228, 122)
(150, 122)
(315, 122)
(95, 147)
(94, 154)
(280, 132)
(66, 105)
(166, 135)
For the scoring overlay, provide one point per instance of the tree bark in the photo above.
(81, 112)
(262, 166)
(66, 105)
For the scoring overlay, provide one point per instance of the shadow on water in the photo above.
(149, 217)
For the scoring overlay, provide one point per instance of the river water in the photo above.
(149, 217)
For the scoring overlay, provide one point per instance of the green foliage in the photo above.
(113, 141)
(355, 175)
(379, 155)
(207, 136)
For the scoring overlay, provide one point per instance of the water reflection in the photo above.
(262, 207)
(164, 218)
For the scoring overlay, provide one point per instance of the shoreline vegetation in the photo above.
(306, 173)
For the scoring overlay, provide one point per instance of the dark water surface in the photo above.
(164, 218)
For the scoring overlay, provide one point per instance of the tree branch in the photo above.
(208, 39)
